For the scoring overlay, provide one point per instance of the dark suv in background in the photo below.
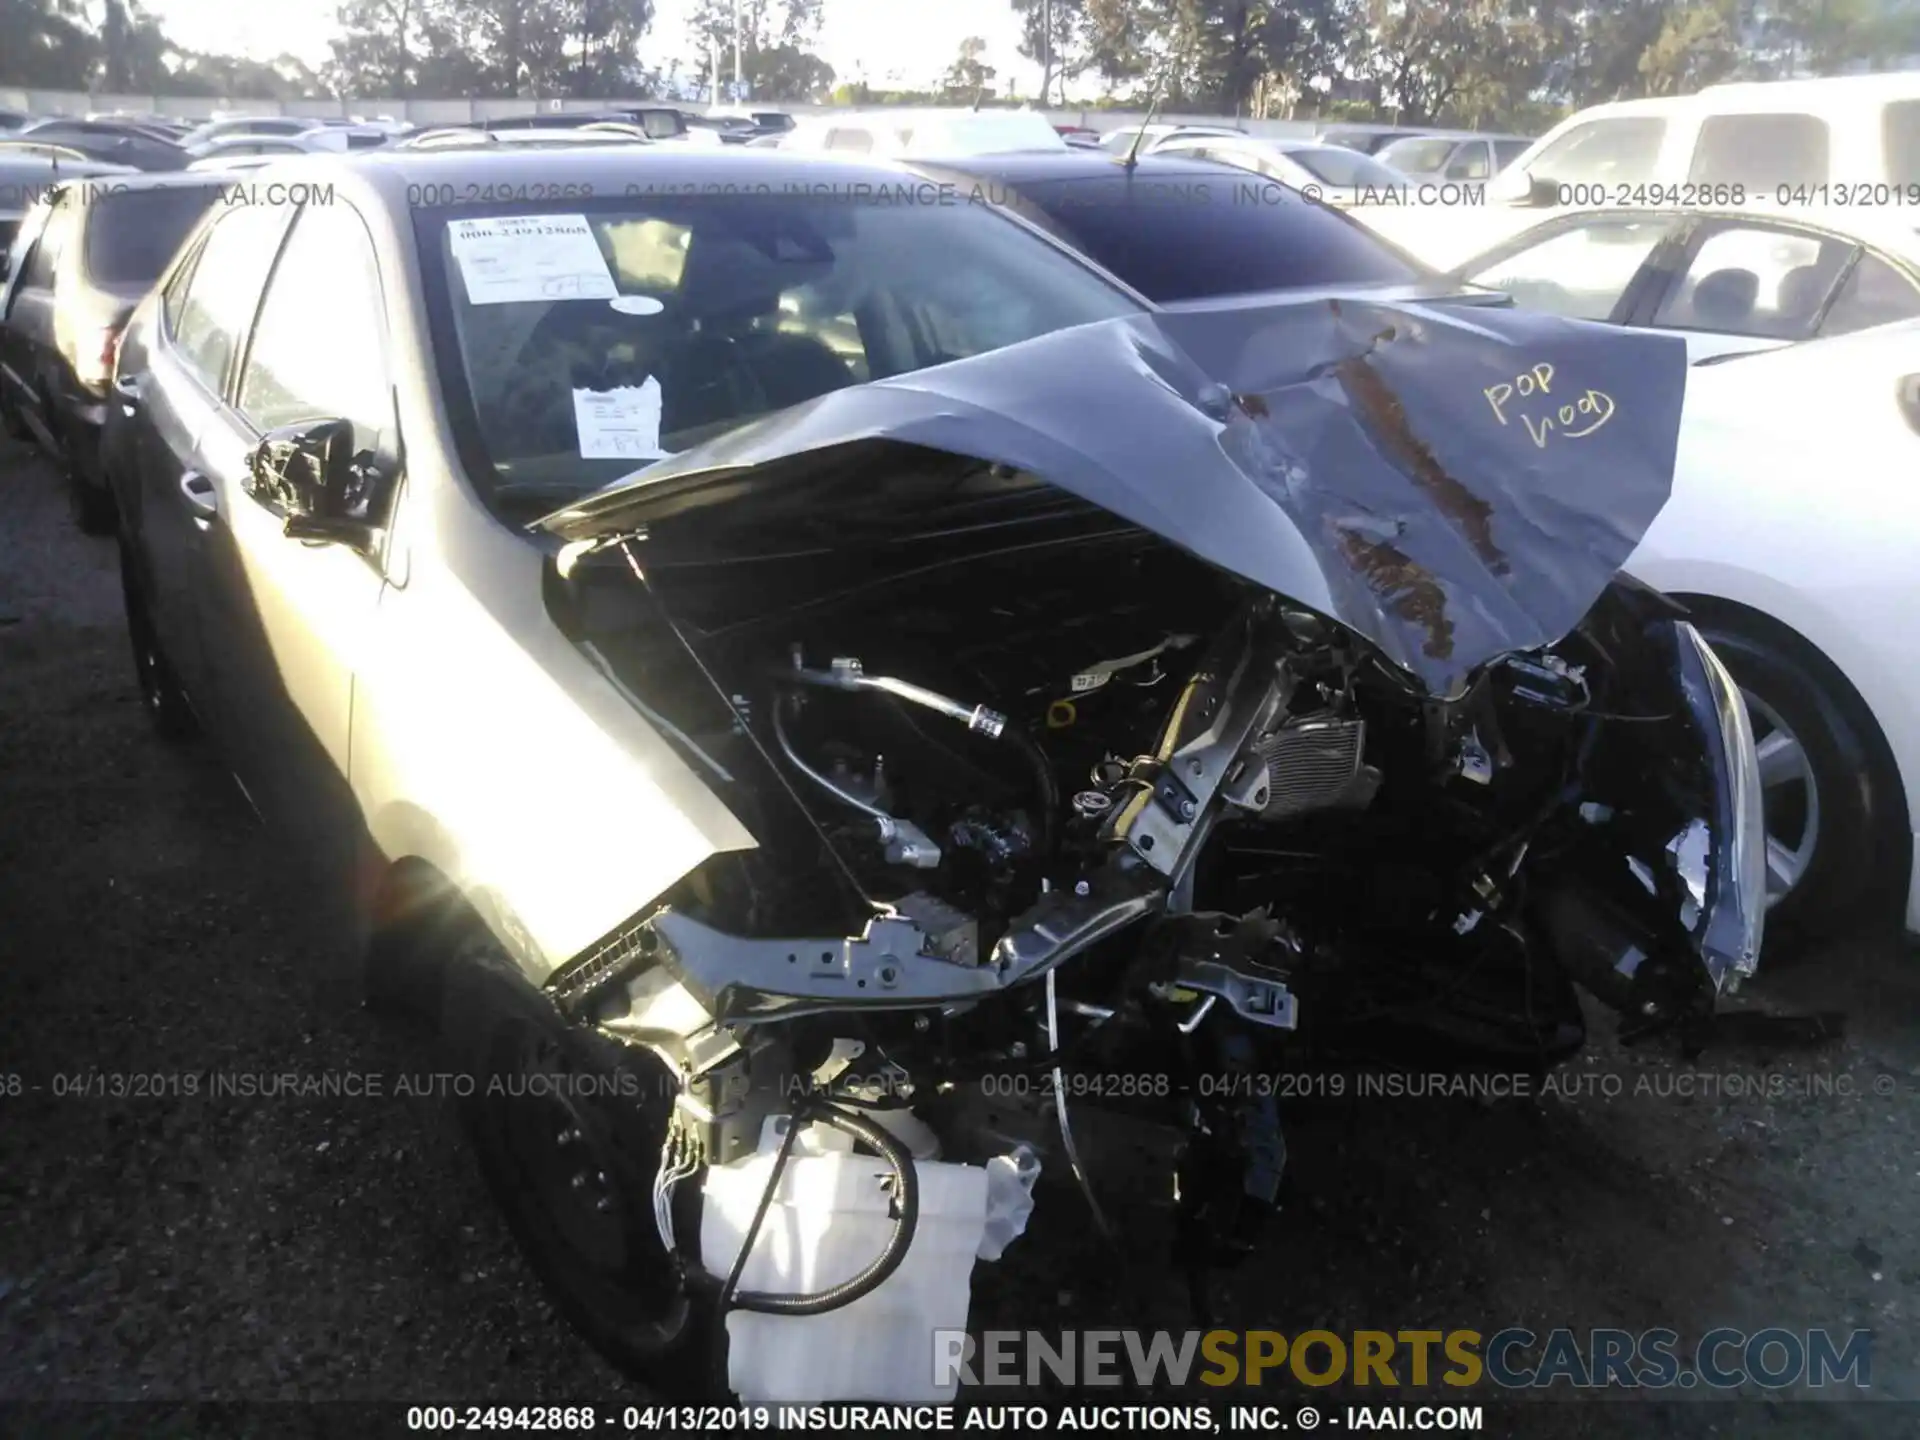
(86, 255)
(122, 142)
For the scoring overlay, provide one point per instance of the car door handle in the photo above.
(127, 387)
(200, 497)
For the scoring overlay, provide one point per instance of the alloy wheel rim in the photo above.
(1790, 796)
(561, 1153)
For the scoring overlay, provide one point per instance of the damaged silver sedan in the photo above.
(820, 675)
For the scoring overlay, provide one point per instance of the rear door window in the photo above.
(1874, 294)
(173, 299)
(1761, 152)
(44, 259)
(1755, 280)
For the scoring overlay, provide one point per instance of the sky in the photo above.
(918, 39)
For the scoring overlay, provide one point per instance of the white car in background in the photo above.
(321, 139)
(1848, 140)
(1724, 280)
(894, 134)
(1328, 174)
(1792, 534)
(249, 127)
(1121, 141)
(1452, 154)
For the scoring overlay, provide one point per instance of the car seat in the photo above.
(791, 368)
(1801, 291)
(1724, 300)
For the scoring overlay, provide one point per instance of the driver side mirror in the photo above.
(311, 473)
(1514, 186)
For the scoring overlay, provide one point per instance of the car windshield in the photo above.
(133, 233)
(1418, 155)
(1332, 165)
(1200, 236)
(581, 345)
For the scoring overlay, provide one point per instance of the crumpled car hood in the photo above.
(1451, 483)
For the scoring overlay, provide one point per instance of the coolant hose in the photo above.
(898, 1159)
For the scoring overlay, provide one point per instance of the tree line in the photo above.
(1514, 63)
(1446, 61)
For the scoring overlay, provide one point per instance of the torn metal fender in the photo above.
(510, 764)
(1452, 483)
(1731, 923)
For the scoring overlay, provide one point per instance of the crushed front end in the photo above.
(1291, 706)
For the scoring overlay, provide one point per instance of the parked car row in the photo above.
(158, 143)
(750, 667)
(82, 260)
(1722, 282)
(554, 573)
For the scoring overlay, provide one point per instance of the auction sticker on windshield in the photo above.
(619, 424)
(511, 258)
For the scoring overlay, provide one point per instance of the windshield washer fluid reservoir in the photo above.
(830, 1219)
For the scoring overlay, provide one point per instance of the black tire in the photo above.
(1841, 791)
(581, 1210)
(166, 703)
(91, 505)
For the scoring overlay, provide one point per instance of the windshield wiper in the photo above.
(541, 495)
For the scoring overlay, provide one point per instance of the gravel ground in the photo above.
(235, 1248)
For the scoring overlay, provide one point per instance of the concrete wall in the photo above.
(460, 112)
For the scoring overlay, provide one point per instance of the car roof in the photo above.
(1038, 166)
(151, 180)
(1650, 105)
(386, 174)
(1458, 135)
(1890, 234)
(1888, 85)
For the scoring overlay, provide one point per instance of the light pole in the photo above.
(1046, 52)
(736, 50)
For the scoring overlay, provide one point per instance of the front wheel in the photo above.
(569, 1137)
(1826, 801)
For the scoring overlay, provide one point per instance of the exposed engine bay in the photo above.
(1040, 795)
(1120, 714)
